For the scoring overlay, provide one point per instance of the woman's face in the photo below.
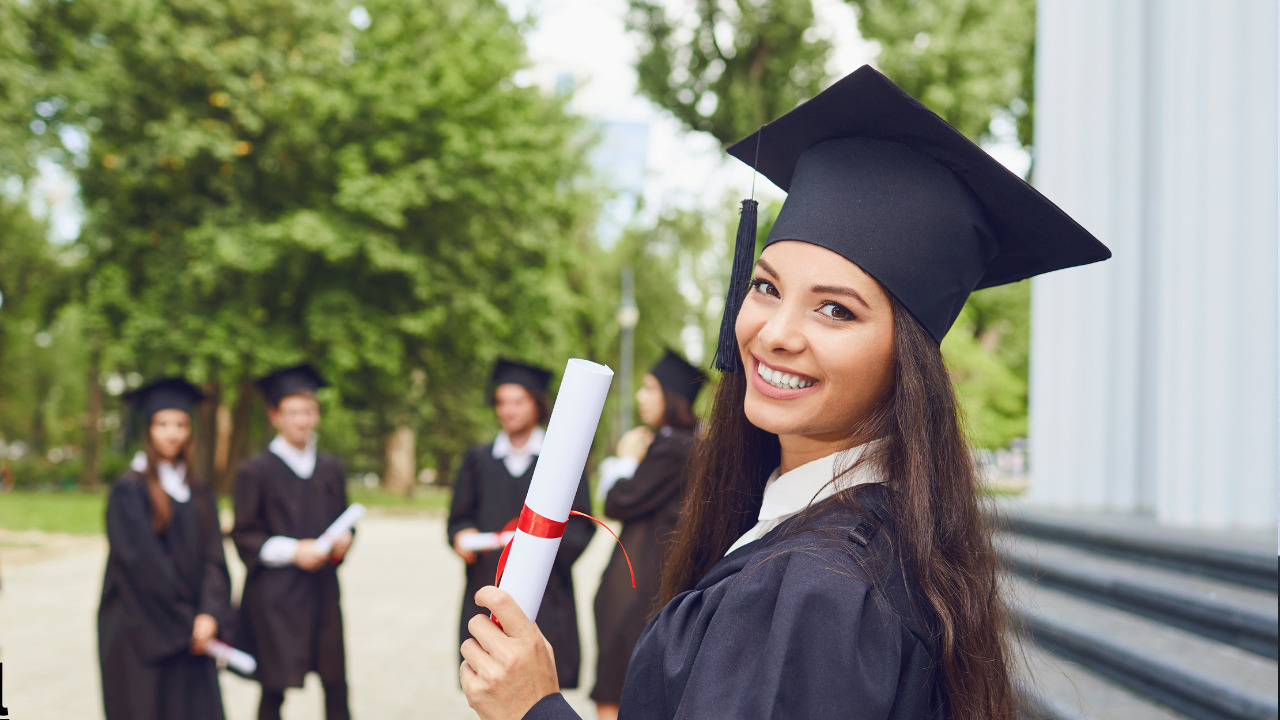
(169, 432)
(516, 408)
(651, 403)
(817, 343)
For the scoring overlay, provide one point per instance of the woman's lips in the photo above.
(773, 392)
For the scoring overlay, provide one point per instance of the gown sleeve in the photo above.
(250, 531)
(215, 586)
(656, 482)
(552, 707)
(159, 612)
(463, 507)
(800, 636)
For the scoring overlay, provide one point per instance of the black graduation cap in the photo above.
(531, 377)
(280, 384)
(875, 176)
(172, 393)
(677, 375)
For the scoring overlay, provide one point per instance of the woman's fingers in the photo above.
(510, 617)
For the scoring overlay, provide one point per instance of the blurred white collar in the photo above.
(502, 446)
(518, 459)
(173, 480)
(301, 462)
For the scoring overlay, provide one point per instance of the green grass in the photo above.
(83, 512)
(423, 499)
(77, 511)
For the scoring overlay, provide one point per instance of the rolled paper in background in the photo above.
(555, 482)
(238, 660)
(484, 541)
(344, 523)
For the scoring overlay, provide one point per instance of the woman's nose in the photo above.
(781, 331)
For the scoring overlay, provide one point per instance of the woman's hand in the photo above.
(340, 547)
(308, 557)
(468, 556)
(507, 669)
(203, 630)
(635, 443)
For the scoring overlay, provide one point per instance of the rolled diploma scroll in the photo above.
(238, 660)
(484, 541)
(344, 523)
(555, 479)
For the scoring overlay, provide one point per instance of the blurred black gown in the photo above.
(290, 619)
(155, 585)
(486, 496)
(818, 620)
(648, 505)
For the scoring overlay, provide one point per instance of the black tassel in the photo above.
(744, 253)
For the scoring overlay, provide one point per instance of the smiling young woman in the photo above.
(831, 559)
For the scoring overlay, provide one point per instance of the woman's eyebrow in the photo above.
(767, 268)
(840, 290)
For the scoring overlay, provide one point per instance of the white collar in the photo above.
(173, 479)
(301, 462)
(502, 446)
(787, 494)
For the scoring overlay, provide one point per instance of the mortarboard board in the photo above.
(876, 177)
(530, 377)
(280, 384)
(173, 393)
(677, 375)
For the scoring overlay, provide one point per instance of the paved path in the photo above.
(401, 592)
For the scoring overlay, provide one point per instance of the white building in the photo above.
(1154, 374)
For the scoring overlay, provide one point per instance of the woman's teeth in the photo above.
(781, 380)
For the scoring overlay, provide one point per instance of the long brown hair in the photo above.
(942, 534)
(161, 504)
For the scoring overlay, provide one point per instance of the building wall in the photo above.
(1154, 374)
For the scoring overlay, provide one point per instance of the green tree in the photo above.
(967, 60)
(363, 185)
(728, 67)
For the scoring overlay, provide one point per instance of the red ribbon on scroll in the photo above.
(538, 526)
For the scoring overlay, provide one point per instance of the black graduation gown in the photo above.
(290, 619)
(486, 497)
(648, 506)
(817, 621)
(154, 586)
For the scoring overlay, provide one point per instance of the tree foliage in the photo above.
(726, 68)
(365, 187)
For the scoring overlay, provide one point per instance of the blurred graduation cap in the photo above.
(172, 393)
(876, 177)
(531, 377)
(280, 384)
(677, 375)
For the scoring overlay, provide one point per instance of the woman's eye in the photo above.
(764, 286)
(835, 312)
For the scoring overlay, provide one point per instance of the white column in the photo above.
(1154, 374)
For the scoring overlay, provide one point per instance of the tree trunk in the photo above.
(238, 445)
(399, 475)
(444, 470)
(207, 435)
(91, 475)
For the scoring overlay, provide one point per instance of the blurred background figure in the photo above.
(166, 593)
(285, 498)
(487, 498)
(643, 486)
